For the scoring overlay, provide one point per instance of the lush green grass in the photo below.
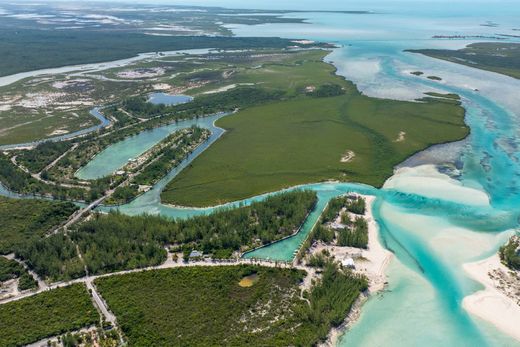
(206, 306)
(27, 124)
(21, 220)
(498, 57)
(302, 140)
(48, 314)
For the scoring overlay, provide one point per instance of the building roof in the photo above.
(195, 254)
(348, 262)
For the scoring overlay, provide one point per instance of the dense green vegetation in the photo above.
(116, 242)
(162, 158)
(10, 269)
(160, 115)
(123, 194)
(200, 306)
(319, 259)
(355, 235)
(54, 257)
(444, 95)
(47, 314)
(22, 182)
(169, 157)
(37, 159)
(22, 220)
(203, 306)
(29, 49)
(332, 298)
(499, 57)
(203, 104)
(26, 281)
(352, 204)
(328, 90)
(304, 138)
(510, 253)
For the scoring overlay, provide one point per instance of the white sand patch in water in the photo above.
(491, 304)
(425, 180)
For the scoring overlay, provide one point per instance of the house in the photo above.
(348, 263)
(195, 254)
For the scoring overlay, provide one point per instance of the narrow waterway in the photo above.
(434, 218)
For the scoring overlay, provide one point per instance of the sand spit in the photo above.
(495, 304)
(374, 263)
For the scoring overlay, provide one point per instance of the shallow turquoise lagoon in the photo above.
(431, 230)
(118, 154)
(168, 99)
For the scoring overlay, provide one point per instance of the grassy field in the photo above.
(48, 314)
(227, 306)
(303, 139)
(503, 58)
(21, 220)
(34, 109)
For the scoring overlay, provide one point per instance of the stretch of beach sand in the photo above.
(490, 304)
(374, 268)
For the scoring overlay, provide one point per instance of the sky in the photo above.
(426, 7)
(308, 4)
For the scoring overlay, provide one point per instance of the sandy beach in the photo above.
(492, 304)
(373, 264)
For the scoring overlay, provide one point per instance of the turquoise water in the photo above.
(431, 237)
(432, 223)
(168, 99)
(117, 155)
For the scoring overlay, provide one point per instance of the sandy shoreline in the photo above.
(377, 260)
(491, 304)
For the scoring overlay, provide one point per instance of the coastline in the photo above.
(491, 304)
(377, 260)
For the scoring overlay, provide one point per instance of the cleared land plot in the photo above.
(211, 306)
(48, 314)
(204, 306)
